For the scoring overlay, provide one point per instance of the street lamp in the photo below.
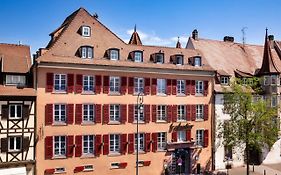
(140, 110)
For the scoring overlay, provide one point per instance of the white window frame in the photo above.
(15, 80)
(114, 84)
(60, 82)
(267, 80)
(88, 113)
(200, 137)
(87, 52)
(274, 101)
(60, 117)
(138, 114)
(161, 113)
(197, 61)
(200, 112)
(181, 136)
(138, 56)
(16, 106)
(274, 79)
(181, 113)
(86, 31)
(88, 168)
(141, 142)
(114, 143)
(199, 87)
(138, 85)
(161, 141)
(88, 144)
(158, 61)
(59, 170)
(224, 80)
(114, 54)
(88, 83)
(179, 57)
(181, 87)
(15, 140)
(161, 86)
(114, 113)
(59, 146)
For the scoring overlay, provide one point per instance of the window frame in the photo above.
(157, 56)
(267, 80)
(60, 115)
(88, 113)
(114, 113)
(60, 146)
(83, 31)
(181, 87)
(177, 60)
(161, 113)
(141, 142)
(21, 79)
(16, 117)
(114, 84)
(87, 52)
(161, 86)
(140, 58)
(200, 137)
(114, 56)
(181, 136)
(224, 80)
(60, 84)
(138, 85)
(88, 83)
(197, 60)
(138, 114)
(116, 147)
(199, 112)
(181, 113)
(89, 149)
(161, 141)
(199, 87)
(15, 145)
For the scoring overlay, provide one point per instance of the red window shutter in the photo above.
(146, 163)
(206, 138)
(123, 85)
(49, 171)
(147, 142)
(70, 146)
(174, 136)
(170, 113)
(188, 87)
(192, 87)
(131, 85)
(70, 115)
(97, 84)
(123, 143)
(147, 86)
(188, 135)
(97, 113)
(106, 84)
(206, 112)
(78, 169)
(123, 113)
(175, 113)
(97, 145)
(78, 146)
(154, 113)
(49, 114)
(193, 112)
(188, 112)
(154, 142)
(206, 85)
(174, 87)
(169, 87)
(79, 83)
(146, 113)
(70, 83)
(48, 147)
(123, 165)
(131, 139)
(105, 114)
(131, 113)
(153, 86)
(78, 114)
(49, 82)
(105, 144)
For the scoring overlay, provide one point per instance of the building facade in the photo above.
(17, 111)
(88, 81)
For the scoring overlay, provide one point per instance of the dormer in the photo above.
(157, 58)
(113, 54)
(136, 56)
(85, 52)
(177, 59)
(85, 31)
(195, 61)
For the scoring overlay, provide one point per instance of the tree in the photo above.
(253, 122)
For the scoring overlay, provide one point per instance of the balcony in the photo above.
(171, 146)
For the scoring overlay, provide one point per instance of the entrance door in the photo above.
(182, 159)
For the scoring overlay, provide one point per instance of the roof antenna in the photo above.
(244, 35)
(135, 28)
(96, 15)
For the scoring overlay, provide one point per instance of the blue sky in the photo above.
(159, 22)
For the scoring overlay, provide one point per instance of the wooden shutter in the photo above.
(154, 142)
(123, 143)
(154, 113)
(146, 163)
(123, 113)
(106, 84)
(193, 112)
(147, 142)
(169, 87)
(123, 165)
(170, 113)
(50, 171)
(188, 135)
(175, 113)
(98, 113)
(49, 82)
(78, 169)
(174, 87)
(105, 114)
(146, 113)
(4, 145)
(98, 84)
(174, 136)
(131, 139)
(206, 86)
(79, 83)
(206, 112)
(131, 85)
(153, 86)
(70, 83)
(123, 85)
(105, 144)
(131, 113)
(147, 86)
(70, 146)
(132, 55)
(5, 111)
(192, 87)
(188, 112)
(97, 145)
(49, 114)
(48, 147)
(70, 114)
(78, 114)
(206, 138)
(25, 111)
(26, 143)
(188, 87)
(78, 146)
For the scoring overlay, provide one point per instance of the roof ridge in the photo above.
(220, 41)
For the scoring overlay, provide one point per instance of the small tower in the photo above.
(178, 43)
(135, 38)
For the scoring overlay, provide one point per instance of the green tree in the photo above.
(253, 123)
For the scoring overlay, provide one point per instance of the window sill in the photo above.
(59, 124)
(59, 92)
(161, 95)
(181, 95)
(114, 94)
(161, 121)
(140, 152)
(140, 122)
(15, 118)
(60, 172)
(59, 157)
(14, 151)
(87, 123)
(114, 123)
(137, 93)
(88, 93)
(199, 95)
(180, 121)
(85, 156)
(161, 150)
(199, 120)
(114, 154)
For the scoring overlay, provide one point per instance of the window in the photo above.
(179, 60)
(161, 141)
(181, 113)
(114, 144)
(88, 144)
(199, 112)
(60, 146)
(197, 61)
(267, 80)
(114, 83)
(88, 168)
(87, 52)
(180, 87)
(15, 111)
(228, 152)
(88, 83)
(86, 31)
(199, 137)
(274, 101)
(274, 79)
(159, 58)
(138, 56)
(15, 144)
(60, 113)
(141, 142)
(161, 112)
(88, 113)
(60, 82)
(59, 170)
(138, 85)
(15, 79)
(114, 113)
(161, 86)
(199, 87)
(224, 80)
(181, 135)
(139, 115)
(114, 54)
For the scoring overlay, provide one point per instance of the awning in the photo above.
(13, 171)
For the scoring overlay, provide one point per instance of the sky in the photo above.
(159, 22)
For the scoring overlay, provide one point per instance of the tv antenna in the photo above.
(244, 35)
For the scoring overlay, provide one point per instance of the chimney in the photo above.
(195, 34)
(271, 37)
(228, 39)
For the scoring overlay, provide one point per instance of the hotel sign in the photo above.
(179, 127)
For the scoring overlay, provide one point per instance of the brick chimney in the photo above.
(271, 37)
(195, 34)
(228, 39)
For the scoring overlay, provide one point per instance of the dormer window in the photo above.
(159, 58)
(114, 54)
(87, 52)
(179, 60)
(86, 31)
(197, 61)
(138, 56)
(15, 80)
(224, 80)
